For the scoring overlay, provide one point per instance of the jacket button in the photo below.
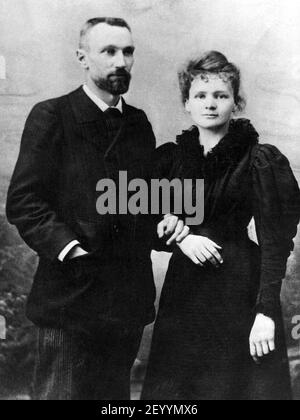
(116, 228)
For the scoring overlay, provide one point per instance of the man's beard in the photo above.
(116, 83)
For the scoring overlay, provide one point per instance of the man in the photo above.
(93, 292)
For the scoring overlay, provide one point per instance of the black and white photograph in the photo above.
(149, 202)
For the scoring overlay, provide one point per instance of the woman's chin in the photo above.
(209, 125)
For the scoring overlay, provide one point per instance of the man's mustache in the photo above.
(121, 73)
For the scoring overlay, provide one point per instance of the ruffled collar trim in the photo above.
(228, 152)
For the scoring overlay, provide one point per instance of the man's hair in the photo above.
(95, 21)
(211, 63)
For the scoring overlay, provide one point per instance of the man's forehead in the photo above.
(104, 34)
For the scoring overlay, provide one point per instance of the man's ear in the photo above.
(81, 57)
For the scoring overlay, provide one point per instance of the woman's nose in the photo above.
(211, 103)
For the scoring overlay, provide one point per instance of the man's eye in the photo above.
(111, 51)
(128, 52)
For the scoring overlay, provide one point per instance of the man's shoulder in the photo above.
(52, 104)
(133, 109)
(137, 112)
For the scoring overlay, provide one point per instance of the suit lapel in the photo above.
(90, 119)
(92, 124)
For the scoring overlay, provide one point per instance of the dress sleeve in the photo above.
(276, 208)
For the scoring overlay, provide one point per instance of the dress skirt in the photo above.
(200, 347)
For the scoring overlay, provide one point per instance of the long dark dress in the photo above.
(200, 348)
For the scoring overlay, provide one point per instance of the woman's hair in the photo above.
(211, 63)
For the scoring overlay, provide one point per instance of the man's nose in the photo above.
(120, 60)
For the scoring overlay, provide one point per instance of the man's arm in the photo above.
(34, 185)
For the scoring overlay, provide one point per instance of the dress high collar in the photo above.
(229, 151)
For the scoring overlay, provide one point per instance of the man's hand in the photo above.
(76, 252)
(262, 337)
(201, 250)
(171, 225)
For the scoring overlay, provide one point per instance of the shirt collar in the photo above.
(101, 104)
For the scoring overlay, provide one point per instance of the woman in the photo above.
(219, 333)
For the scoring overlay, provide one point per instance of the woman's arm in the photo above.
(276, 209)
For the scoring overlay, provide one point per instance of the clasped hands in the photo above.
(199, 249)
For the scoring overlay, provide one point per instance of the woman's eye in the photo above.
(223, 97)
(200, 97)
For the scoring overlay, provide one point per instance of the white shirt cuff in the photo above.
(67, 249)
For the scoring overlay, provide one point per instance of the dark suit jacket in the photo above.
(65, 150)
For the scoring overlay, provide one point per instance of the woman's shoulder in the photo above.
(186, 136)
(164, 158)
(268, 154)
(166, 148)
(169, 156)
(165, 152)
(187, 139)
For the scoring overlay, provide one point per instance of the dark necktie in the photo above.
(113, 113)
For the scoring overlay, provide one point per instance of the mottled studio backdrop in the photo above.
(38, 39)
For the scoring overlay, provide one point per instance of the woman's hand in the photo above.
(262, 337)
(171, 225)
(201, 250)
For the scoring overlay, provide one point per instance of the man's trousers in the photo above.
(72, 367)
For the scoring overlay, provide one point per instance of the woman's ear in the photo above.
(235, 109)
(187, 106)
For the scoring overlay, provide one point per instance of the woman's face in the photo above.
(211, 102)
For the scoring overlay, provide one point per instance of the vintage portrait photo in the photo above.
(149, 202)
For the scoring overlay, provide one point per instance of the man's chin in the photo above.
(118, 92)
(119, 89)
(115, 85)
